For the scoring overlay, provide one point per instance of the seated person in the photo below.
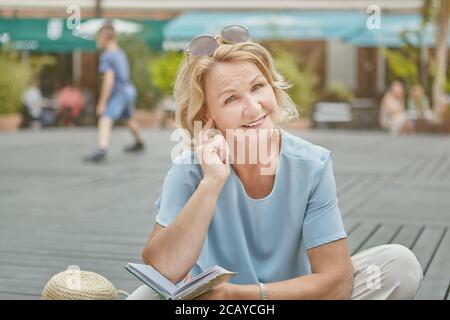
(70, 102)
(33, 103)
(273, 218)
(393, 116)
(419, 105)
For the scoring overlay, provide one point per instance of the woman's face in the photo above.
(416, 92)
(397, 89)
(238, 96)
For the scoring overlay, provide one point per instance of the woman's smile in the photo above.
(256, 124)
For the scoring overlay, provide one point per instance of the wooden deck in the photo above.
(56, 211)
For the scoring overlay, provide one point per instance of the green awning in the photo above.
(54, 35)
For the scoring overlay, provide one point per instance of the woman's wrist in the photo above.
(244, 292)
(212, 184)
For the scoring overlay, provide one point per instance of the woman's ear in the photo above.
(205, 116)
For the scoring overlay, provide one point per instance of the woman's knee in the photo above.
(402, 271)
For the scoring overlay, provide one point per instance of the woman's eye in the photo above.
(257, 86)
(230, 99)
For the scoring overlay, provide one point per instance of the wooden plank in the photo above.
(408, 235)
(421, 165)
(358, 184)
(72, 254)
(4, 295)
(361, 235)
(434, 169)
(350, 225)
(436, 282)
(357, 198)
(383, 235)
(346, 183)
(57, 211)
(15, 290)
(426, 245)
(42, 270)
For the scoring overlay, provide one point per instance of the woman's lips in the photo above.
(257, 123)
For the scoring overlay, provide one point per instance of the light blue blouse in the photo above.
(264, 239)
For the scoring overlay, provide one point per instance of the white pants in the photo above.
(386, 272)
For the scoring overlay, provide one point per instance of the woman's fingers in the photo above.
(212, 144)
(200, 136)
(221, 147)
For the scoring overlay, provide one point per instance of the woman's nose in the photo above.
(252, 108)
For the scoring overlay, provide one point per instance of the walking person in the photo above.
(117, 96)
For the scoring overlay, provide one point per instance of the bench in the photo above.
(332, 114)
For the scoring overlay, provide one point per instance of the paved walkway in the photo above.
(57, 211)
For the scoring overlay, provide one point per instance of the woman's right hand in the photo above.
(213, 154)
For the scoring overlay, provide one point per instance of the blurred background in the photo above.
(340, 56)
(370, 78)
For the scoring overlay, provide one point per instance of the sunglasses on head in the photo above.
(205, 45)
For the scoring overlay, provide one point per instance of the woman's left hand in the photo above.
(221, 292)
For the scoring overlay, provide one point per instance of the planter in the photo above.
(10, 122)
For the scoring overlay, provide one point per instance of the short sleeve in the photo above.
(323, 222)
(106, 63)
(179, 184)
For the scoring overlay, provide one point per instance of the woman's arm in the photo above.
(174, 249)
(331, 278)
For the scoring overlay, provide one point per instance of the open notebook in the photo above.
(188, 290)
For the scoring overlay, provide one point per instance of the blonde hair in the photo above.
(189, 86)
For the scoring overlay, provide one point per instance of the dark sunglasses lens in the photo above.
(203, 46)
(235, 34)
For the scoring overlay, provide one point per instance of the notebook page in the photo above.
(152, 284)
(155, 276)
(202, 286)
(209, 273)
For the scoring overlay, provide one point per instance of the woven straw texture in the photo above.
(79, 285)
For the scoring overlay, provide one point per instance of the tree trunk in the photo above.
(98, 8)
(441, 50)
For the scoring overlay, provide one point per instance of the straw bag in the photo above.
(79, 285)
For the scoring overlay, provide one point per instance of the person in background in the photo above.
(33, 103)
(419, 105)
(70, 102)
(117, 96)
(393, 116)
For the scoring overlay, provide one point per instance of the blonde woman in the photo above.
(276, 222)
(418, 105)
(393, 117)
